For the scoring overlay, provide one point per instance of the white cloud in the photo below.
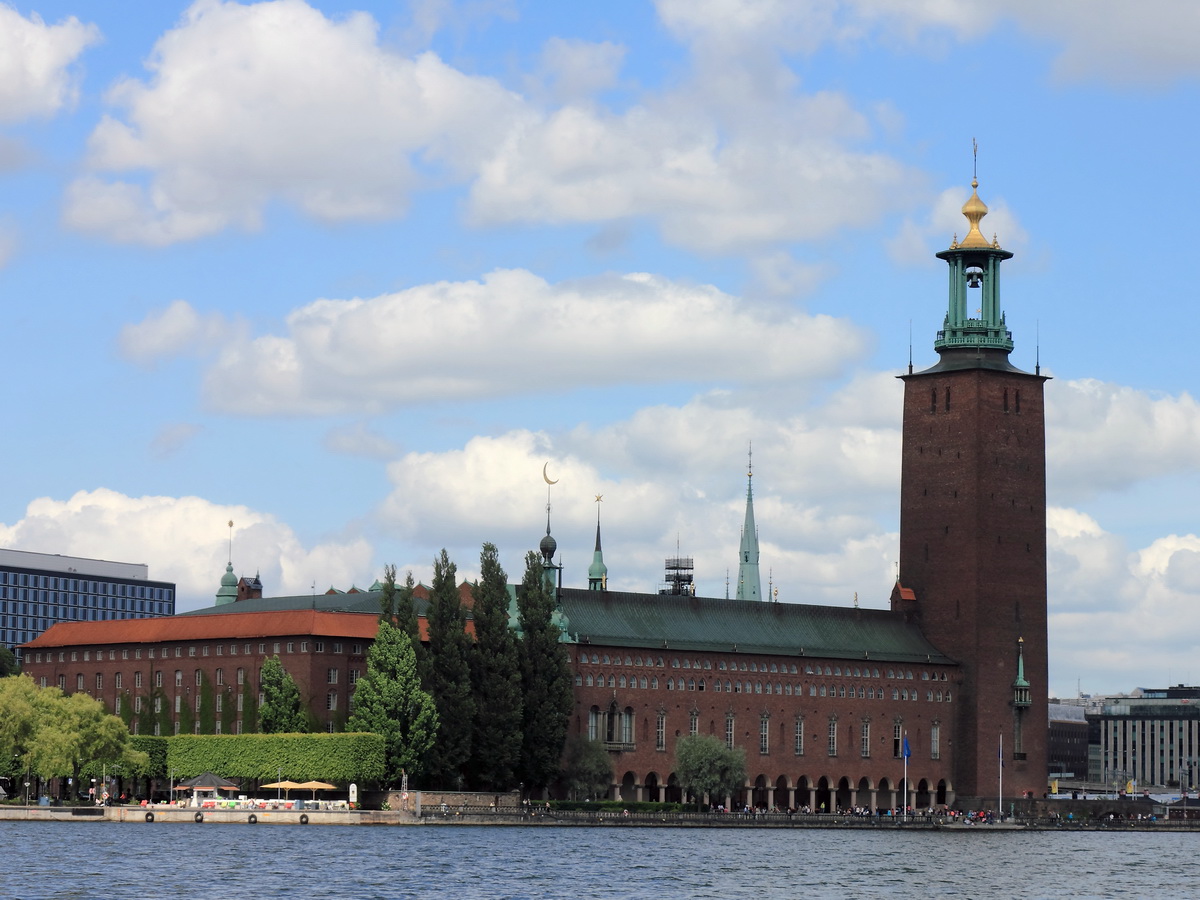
(514, 333)
(360, 440)
(1105, 437)
(35, 63)
(576, 70)
(910, 245)
(248, 104)
(178, 330)
(185, 540)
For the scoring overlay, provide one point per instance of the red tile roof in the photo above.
(214, 627)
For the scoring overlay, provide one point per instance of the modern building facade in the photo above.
(1149, 741)
(39, 589)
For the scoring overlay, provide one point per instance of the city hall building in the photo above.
(919, 704)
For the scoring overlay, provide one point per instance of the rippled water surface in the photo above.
(100, 859)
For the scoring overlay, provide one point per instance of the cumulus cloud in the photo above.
(178, 330)
(186, 540)
(576, 70)
(514, 333)
(35, 63)
(1104, 437)
(274, 101)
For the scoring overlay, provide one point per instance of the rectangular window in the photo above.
(178, 704)
(220, 649)
(191, 651)
(935, 741)
(799, 746)
(337, 646)
(178, 678)
(593, 723)
(99, 682)
(199, 678)
(79, 682)
(220, 676)
(866, 740)
(331, 676)
(304, 646)
(239, 705)
(137, 703)
(897, 740)
(319, 647)
(729, 720)
(331, 700)
(276, 646)
(137, 679)
(833, 737)
(660, 732)
(220, 702)
(204, 652)
(158, 678)
(158, 704)
(694, 723)
(355, 674)
(764, 735)
(62, 682)
(291, 647)
(117, 705)
(241, 677)
(119, 680)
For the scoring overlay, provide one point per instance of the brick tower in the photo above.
(973, 525)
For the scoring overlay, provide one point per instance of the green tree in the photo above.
(389, 701)
(281, 711)
(449, 680)
(387, 595)
(545, 678)
(704, 765)
(8, 663)
(495, 682)
(587, 769)
(206, 709)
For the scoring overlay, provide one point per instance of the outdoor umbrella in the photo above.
(285, 786)
(315, 786)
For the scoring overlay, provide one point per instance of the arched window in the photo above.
(621, 681)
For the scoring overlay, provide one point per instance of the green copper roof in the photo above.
(673, 622)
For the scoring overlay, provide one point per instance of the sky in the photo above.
(355, 275)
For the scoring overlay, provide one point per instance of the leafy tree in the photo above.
(389, 701)
(495, 682)
(449, 678)
(705, 765)
(249, 708)
(281, 711)
(206, 708)
(587, 769)
(545, 678)
(8, 663)
(55, 735)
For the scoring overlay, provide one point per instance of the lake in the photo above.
(101, 859)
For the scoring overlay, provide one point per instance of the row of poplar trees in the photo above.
(487, 712)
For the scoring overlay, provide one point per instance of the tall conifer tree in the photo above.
(449, 678)
(546, 679)
(389, 701)
(495, 682)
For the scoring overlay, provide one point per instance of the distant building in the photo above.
(1152, 740)
(39, 589)
(1067, 748)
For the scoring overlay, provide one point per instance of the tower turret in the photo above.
(598, 571)
(749, 580)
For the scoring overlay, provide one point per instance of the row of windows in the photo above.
(77, 585)
(787, 689)
(317, 647)
(757, 666)
(51, 603)
(614, 724)
(933, 400)
(331, 677)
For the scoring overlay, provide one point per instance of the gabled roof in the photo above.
(674, 622)
(222, 625)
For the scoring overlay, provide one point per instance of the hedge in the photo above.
(336, 758)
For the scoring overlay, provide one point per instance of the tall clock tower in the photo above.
(973, 525)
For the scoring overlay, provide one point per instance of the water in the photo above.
(66, 860)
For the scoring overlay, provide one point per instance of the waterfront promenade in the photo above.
(438, 816)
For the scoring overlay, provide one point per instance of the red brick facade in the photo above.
(820, 733)
(973, 555)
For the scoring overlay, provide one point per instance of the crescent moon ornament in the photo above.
(546, 477)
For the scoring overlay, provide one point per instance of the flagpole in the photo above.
(905, 752)
(1000, 759)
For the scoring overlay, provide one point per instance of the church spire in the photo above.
(749, 582)
(598, 571)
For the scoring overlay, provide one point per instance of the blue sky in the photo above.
(350, 274)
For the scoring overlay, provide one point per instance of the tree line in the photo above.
(486, 711)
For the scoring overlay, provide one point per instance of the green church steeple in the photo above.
(749, 581)
(598, 571)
